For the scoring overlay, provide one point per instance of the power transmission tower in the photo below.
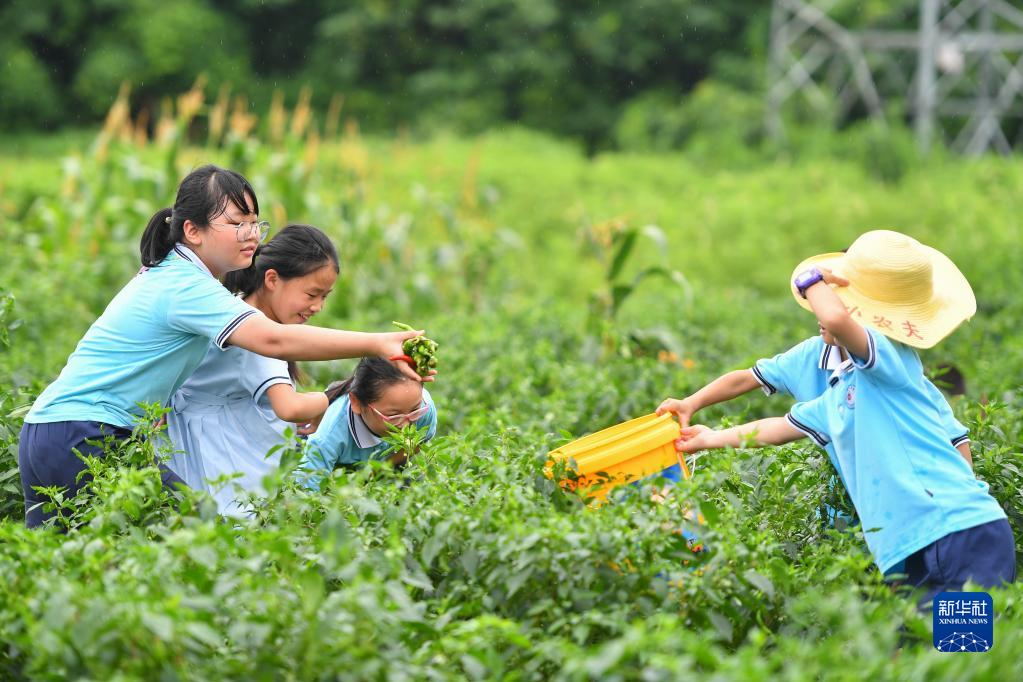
(960, 73)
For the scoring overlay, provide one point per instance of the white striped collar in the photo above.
(190, 255)
(831, 361)
(836, 374)
(831, 357)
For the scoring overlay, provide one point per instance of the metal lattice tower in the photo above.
(960, 73)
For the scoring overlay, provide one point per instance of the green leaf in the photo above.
(204, 555)
(160, 625)
(204, 634)
(710, 513)
(760, 582)
(619, 293)
(722, 625)
(433, 547)
(625, 241)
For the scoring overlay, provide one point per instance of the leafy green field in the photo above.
(472, 564)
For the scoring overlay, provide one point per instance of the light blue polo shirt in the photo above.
(909, 484)
(343, 438)
(150, 338)
(807, 369)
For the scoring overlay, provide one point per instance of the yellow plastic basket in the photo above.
(620, 454)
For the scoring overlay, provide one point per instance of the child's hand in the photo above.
(693, 439)
(683, 409)
(832, 278)
(308, 428)
(391, 346)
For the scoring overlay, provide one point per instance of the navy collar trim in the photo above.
(190, 255)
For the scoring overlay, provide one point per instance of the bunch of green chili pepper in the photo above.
(420, 352)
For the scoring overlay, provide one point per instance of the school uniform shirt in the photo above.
(908, 483)
(221, 423)
(344, 439)
(807, 369)
(150, 338)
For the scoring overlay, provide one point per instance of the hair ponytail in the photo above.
(338, 389)
(156, 241)
(372, 375)
(205, 193)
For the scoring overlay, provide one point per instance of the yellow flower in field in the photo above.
(218, 114)
(689, 363)
(241, 121)
(303, 113)
(312, 150)
(191, 102)
(333, 116)
(277, 117)
(280, 214)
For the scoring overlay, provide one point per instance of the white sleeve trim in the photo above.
(225, 333)
(871, 359)
(769, 389)
(818, 437)
(271, 381)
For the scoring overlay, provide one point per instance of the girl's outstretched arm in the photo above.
(770, 431)
(725, 387)
(299, 342)
(833, 316)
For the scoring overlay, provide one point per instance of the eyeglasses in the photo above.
(397, 419)
(249, 229)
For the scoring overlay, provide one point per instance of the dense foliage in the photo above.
(566, 294)
(576, 68)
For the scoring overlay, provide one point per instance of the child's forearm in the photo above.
(297, 342)
(770, 431)
(826, 305)
(833, 316)
(308, 406)
(291, 406)
(724, 388)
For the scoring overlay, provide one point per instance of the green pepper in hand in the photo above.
(420, 352)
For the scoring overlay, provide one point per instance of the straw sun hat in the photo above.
(907, 291)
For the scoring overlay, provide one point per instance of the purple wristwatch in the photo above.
(806, 279)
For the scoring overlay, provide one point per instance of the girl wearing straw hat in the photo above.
(917, 499)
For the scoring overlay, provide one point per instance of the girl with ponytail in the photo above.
(157, 330)
(236, 405)
(364, 407)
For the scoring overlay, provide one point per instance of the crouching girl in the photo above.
(378, 397)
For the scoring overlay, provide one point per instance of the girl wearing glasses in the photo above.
(157, 330)
(363, 408)
(236, 405)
